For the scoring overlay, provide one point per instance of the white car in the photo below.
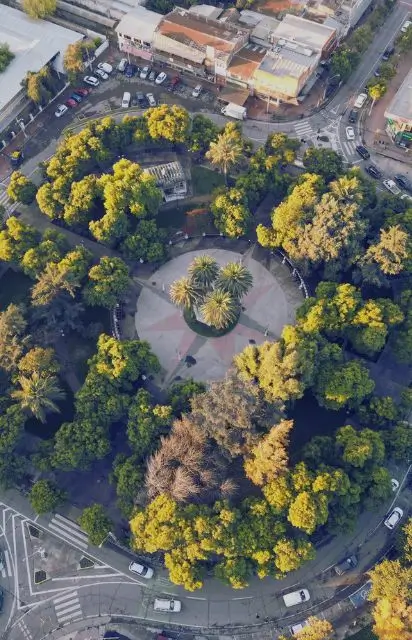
(91, 80)
(295, 628)
(406, 26)
(161, 78)
(144, 73)
(141, 570)
(394, 484)
(61, 110)
(126, 100)
(122, 65)
(393, 519)
(350, 133)
(102, 74)
(151, 99)
(197, 91)
(105, 66)
(392, 187)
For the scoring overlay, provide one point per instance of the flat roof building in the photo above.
(399, 114)
(135, 32)
(171, 179)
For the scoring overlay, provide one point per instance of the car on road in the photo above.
(161, 77)
(394, 518)
(296, 597)
(394, 484)
(167, 605)
(353, 116)
(141, 100)
(350, 133)
(197, 91)
(106, 67)
(102, 74)
(94, 82)
(152, 76)
(126, 100)
(151, 99)
(82, 91)
(122, 65)
(389, 51)
(61, 110)
(390, 185)
(141, 570)
(363, 152)
(144, 73)
(348, 564)
(360, 100)
(406, 26)
(403, 182)
(76, 97)
(374, 172)
(71, 103)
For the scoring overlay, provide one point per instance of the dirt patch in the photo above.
(280, 7)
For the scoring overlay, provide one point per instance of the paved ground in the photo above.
(270, 305)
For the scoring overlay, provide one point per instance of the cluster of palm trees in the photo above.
(212, 293)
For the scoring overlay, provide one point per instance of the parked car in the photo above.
(61, 110)
(295, 628)
(346, 565)
(141, 570)
(391, 186)
(151, 99)
(102, 74)
(197, 91)
(76, 97)
(406, 26)
(393, 519)
(122, 65)
(394, 484)
(106, 67)
(377, 72)
(94, 82)
(126, 100)
(167, 605)
(363, 152)
(403, 182)
(71, 103)
(296, 597)
(161, 77)
(406, 196)
(388, 53)
(141, 100)
(174, 82)
(82, 91)
(152, 76)
(350, 133)
(129, 71)
(353, 116)
(374, 172)
(144, 73)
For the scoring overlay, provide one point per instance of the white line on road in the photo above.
(8, 563)
(99, 575)
(64, 597)
(194, 598)
(245, 598)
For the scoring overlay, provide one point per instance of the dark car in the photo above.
(403, 182)
(82, 92)
(353, 116)
(76, 97)
(71, 103)
(141, 99)
(374, 172)
(363, 152)
(174, 82)
(346, 565)
(388, 53)
(129, 71)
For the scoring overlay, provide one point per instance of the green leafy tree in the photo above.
(343, 62)
(376, 90)
(226, 152)
(79, 443)
(269, 457)
(168, 122)
(6, 56)
(405, 41)
(315, 629)
(379, 412)
(39, 8)
(231, 212)
(323, 162)
(73, 58)
(145, 422)
(16, 239)
(180, 394)
(39, 360)
(51, 249)
(128, 476)
(124, 361)
(391, 254)
(291, 554)
(359, 447)
(108, 282)
(202, 133)
(308, 511)
(344, 385)
(399, 442)
(13, 337)
(21, 189)
(12, 420)
(35, 88)
(38, 394)
(146, 243)
(95, 523)
(390, 594)
(45, 496)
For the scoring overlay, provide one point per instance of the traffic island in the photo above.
(40, 576)
(206, 330)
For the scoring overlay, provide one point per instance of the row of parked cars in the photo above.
(103, 70)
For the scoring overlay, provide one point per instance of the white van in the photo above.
(164, 605)
(126, 100)
(360, 100)
(296, 597)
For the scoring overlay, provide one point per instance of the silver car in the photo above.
(151, 99)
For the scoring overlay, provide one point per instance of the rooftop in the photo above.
(34, 43)
(139, 23)
(206, 11)
(401, 106)
(198, 32)
(288, 63)
(167, 174)
(245, 61)
(305, 32)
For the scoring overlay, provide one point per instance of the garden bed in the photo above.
(206, 330)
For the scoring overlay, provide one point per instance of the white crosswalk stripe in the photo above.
(69, 531)
(5, 565)
(304, 129)
(7, 203)
(348, 149)
(67, 608)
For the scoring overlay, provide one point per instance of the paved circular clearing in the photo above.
(270, 304)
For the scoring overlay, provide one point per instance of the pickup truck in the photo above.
(391, 186)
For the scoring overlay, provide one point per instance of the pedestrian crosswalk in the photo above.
(348, 149)
(5, 564)
(69, 531)
(303, 130)
(67, 608)
(7, 203)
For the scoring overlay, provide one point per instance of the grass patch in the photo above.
(364, 634)
(14, 287)
(204, 329)
(204, 181)
(174, 217)
(312, 420)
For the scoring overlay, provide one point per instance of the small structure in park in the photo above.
(211, 295)
(171, 179)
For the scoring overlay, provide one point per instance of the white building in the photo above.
(135, 32)
(34, 43)
(171, 179)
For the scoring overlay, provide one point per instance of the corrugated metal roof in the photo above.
(140, 23)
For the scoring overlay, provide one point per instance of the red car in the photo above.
(71, 103)
(82, 92)
(174, 82)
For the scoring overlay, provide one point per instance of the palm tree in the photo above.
(235, 279)
(203, 271)
(38, 393)
(226, 152)
(219, 309)
(184, 293)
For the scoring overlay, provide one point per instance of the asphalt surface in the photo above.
(72, 596)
